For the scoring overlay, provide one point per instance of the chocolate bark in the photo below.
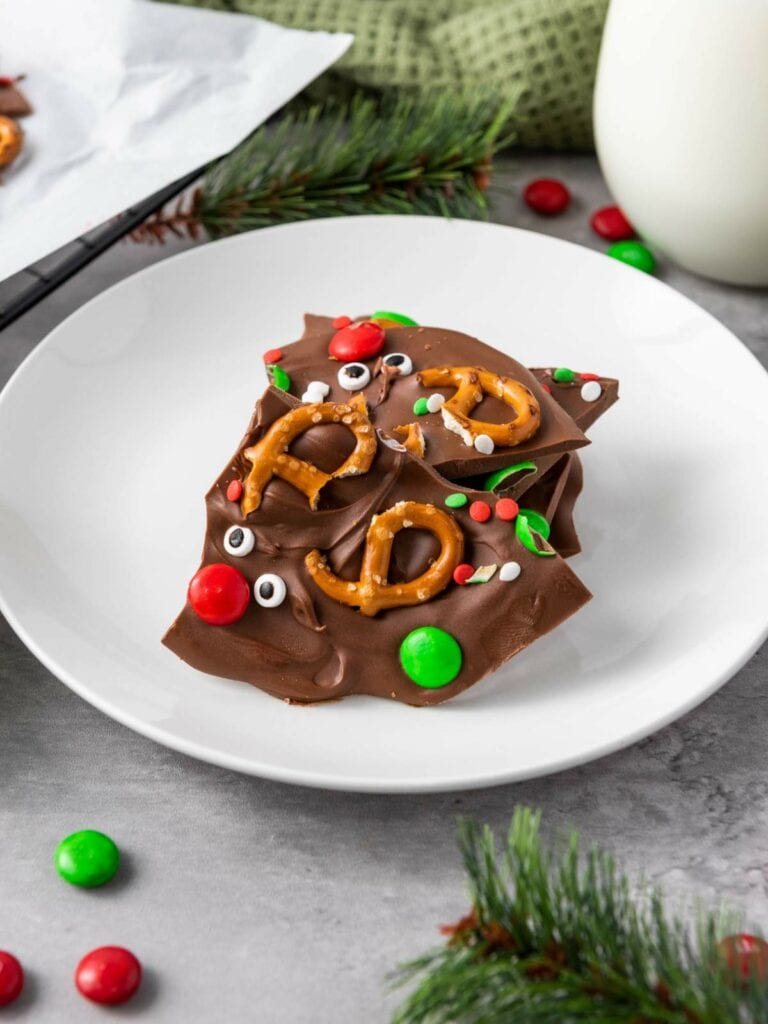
(314, 648)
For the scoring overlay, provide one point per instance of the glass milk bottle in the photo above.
(681, 125)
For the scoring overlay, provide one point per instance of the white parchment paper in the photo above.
(130, 95)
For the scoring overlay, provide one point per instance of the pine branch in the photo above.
(429, 155)
(556, 938)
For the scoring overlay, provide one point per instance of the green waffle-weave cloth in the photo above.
(547, 47)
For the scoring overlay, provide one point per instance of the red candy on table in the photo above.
(234, 490)
(272, 355)
(507, 509)
(341, 321)
(589, 376)
(547, 196)
(11, 978)
(357, 342)
(108, 975)
(480, 511)
(462, 573)
(609, 222)
(219, 594)
(745, 954)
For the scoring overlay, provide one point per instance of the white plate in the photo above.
(115, 426)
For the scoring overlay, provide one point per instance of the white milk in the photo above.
(681, 123)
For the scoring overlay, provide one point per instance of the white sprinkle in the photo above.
(484, 444)
(483, 573)
(435, 402)
(311, 397)
(320, 387)
(509, 571)
(591, 391)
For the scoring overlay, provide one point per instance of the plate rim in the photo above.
(337, 781)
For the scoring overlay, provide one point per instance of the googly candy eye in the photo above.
(270, 590)
(400, 362)
(239, 541)
(354, 376)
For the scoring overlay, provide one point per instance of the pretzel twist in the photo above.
(413, 438)
(372, 593)
(471, 383)
(270, 456)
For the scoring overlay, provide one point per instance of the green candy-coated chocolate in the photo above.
(493, 481)
(456, 500)
(279, 377)
(430, 657)
(635, 254)
(87, 858)
(563, 375)
(527, 525)
(395, 318)
(420, 407)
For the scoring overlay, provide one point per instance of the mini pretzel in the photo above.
(413, 438)
(270, 456)
(471, 383)
(372, 593)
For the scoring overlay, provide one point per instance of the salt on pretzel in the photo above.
(372, 593)
(471, 383)
(271, 457)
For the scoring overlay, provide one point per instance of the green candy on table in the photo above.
(430, 657)
(563, 375)
(278, 377)
(420, 407)
(87, 858)
(456, 500)
(635, 254)
(528, 523)
(394, 318)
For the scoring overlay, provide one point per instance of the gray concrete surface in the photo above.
(250, 901)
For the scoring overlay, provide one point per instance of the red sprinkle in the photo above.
(480, 511)
(11, 977)
(108, 975)
(547, 388)
(547, 196)
(234, 490)
(507, 509)
(341, 321)
(590, 376)
(462, 573)
(609, 222)
(272, 355)
(6, 81)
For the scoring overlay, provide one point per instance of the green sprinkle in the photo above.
(430, 657)
(395, 318)
(563, 375)
(456, 500)
(635, 254)
(530, 526)
(279, 377)
(420, 407)
(493, 481)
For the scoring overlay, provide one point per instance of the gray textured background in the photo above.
(252, 901)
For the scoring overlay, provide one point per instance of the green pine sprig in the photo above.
(557, 938)
(426, 155)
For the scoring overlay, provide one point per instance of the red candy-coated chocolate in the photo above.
(219, 594)
(341, 321)
(480, 511)
(609, 222)
(462, 573)
(272, 355)
(108, 975)
(235, 490)
(547, 388)
(547, 195)
(357, 342)
(11, 978)
(507, 509)
(745, 954)
(590, 376)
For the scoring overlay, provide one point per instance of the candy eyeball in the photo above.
(239, 541)
(399, 361)
(270, 590)
(354, 376)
